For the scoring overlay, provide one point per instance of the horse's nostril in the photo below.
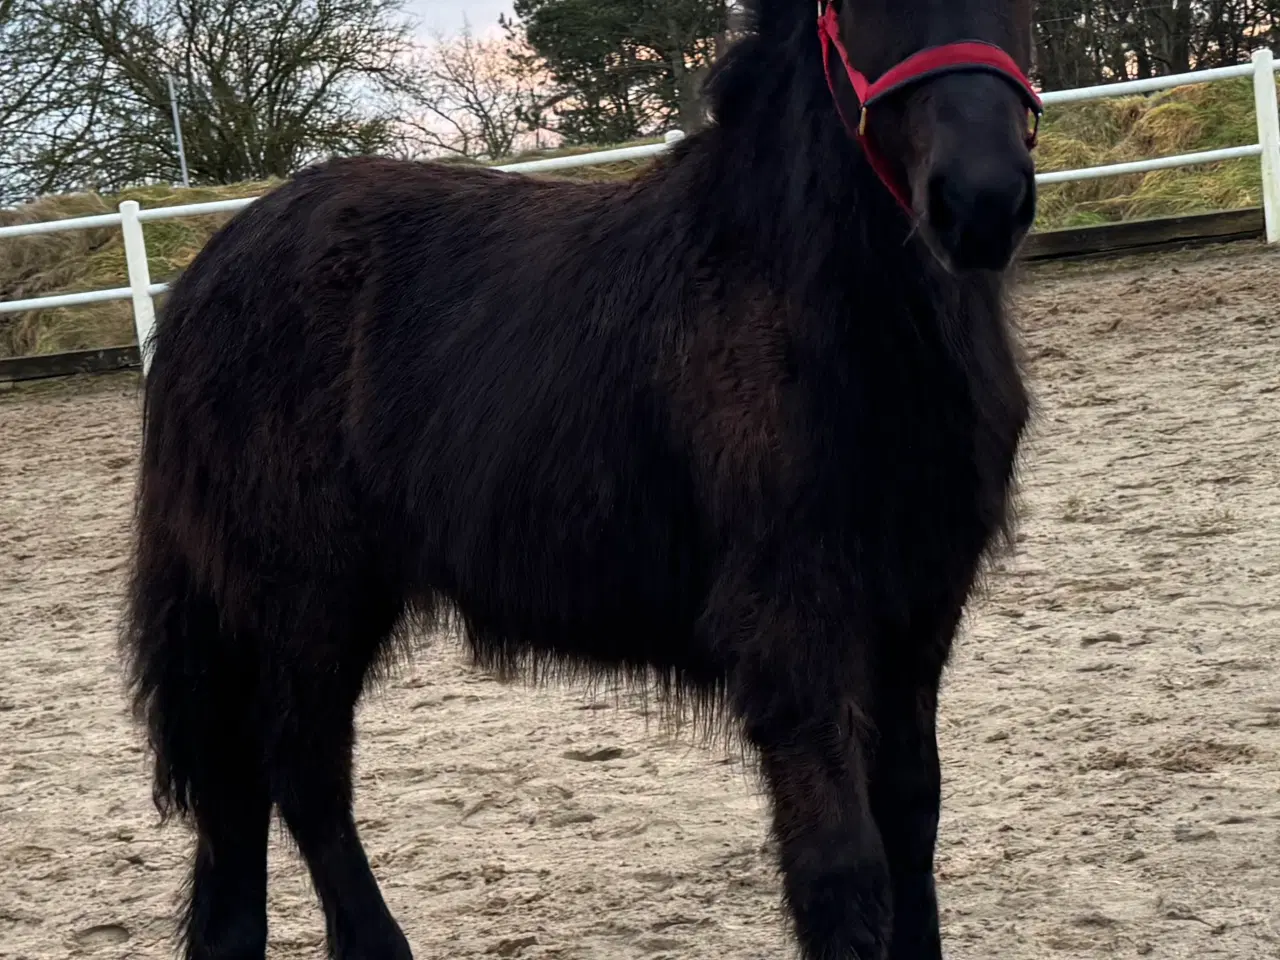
(1027, 206)
(942, 205)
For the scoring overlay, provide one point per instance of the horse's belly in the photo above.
(613, 575)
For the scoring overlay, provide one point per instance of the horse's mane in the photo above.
(776, 50)
(788, 173)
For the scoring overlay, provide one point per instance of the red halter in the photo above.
(930, 62)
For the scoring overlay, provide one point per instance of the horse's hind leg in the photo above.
(227, 914)
(335, 632)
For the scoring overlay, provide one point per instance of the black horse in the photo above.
(747, 423)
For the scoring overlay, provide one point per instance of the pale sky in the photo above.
(446, 16)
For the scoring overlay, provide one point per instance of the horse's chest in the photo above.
(930, 496)
(884, 434)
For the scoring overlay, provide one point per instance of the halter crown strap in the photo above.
(965, 55)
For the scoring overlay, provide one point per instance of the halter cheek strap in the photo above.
(966, 55)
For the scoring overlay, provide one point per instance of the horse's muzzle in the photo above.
(979, 209)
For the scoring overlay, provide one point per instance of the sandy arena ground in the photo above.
(1111, 727)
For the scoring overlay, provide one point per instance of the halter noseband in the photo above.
(931, 62)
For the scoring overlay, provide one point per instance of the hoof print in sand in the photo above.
(102, 935)
(599, 755)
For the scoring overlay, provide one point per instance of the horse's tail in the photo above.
(183, 672)
(192, 684)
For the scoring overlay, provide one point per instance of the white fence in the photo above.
(142, 291)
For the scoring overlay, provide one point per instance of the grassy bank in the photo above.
(1089, 134)
(1183, 120)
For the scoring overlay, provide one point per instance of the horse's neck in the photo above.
(835, 243)
(798, 200)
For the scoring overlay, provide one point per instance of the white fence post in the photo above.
(135, 255)
(1264, 95)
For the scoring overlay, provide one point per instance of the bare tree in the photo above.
(470, 97)
(34, 65)
(264, 87)
(1081, 42)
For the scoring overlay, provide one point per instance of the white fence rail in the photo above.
(142, 291)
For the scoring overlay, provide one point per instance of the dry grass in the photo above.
(1089, 134)
(1182, 120)
(94, 259)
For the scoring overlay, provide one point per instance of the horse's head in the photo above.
(949, 117)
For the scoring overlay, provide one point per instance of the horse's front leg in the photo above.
(905, 796)
(799, 680)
